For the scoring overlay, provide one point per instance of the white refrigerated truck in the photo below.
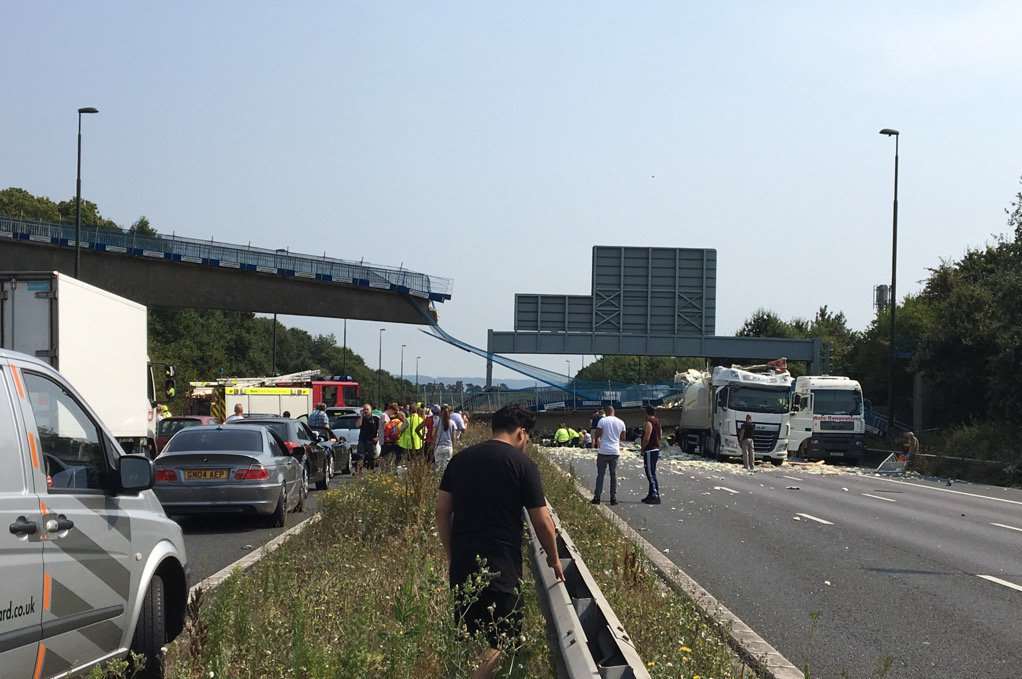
(715, 405)
(827, 420)
(95, 338)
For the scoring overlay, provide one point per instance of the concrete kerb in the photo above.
(250, 559)
(763, 658)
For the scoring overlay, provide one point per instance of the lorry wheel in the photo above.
(279, 515)
(776, 463)
(803, 450)
(150, 632)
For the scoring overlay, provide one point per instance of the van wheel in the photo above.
(279, 515)
(150, 632)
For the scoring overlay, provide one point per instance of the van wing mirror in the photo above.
(135, 474)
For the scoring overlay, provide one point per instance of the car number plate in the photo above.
(205, 474)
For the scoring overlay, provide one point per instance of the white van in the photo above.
(91, 566)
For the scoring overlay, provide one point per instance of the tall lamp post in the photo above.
(888, 132)
(379, 370)
(417, 377)
(572, 385)
(403, 360)
(78, 193)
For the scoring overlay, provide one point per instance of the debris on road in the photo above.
(793, 488)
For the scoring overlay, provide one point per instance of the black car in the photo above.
(304, 443)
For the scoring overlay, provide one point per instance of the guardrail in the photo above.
(591, 641)
(281, 262)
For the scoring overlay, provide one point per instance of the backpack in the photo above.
(392, 430)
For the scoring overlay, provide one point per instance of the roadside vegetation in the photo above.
(361, 594)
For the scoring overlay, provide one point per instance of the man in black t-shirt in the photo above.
(479, 517)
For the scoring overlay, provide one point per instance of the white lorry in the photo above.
(95, 338)
(827, 420)
(715, 405)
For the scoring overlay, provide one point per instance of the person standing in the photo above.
(368, 436)
(443, 432)
(651, 454)
(608, 450)
(392, 434)
(239, 413)
(459, 424)
(479, 521)
(318, 419)
(597, 416)
(747, 443)
(410, 440)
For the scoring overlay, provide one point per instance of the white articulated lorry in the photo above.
(715, 405)
(827, 420)
(96, 339)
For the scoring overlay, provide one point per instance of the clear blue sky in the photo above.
(496, 144)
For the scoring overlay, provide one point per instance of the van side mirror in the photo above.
(135, 474)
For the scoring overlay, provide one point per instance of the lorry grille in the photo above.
(764, 438)
(827, 425)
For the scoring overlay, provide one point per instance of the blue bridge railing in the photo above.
(227, 255)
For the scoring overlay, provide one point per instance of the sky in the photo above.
(496, 144)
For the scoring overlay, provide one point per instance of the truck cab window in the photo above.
(69, 440)
(330, 395)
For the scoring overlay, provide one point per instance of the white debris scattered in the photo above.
(792, 488)
(845, 489)
(797, 518)
(827, 583)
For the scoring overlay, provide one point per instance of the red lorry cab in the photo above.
(336, 392)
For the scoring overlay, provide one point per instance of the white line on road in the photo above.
(733, 492)
(1005, 583)
(793, 478)
(956, 492)
(877, 497)
(1004, 525)
(814, 518)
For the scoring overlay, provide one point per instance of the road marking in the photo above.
(877, 497)
(1005, 583)
(814, 518)
(1004, 525)
(733, 492)
(956, 492)
(793, 478)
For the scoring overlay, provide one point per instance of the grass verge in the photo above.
(670, 632)
(363, 593)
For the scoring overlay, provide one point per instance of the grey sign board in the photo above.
(635, 291)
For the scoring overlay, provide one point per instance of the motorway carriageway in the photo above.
(841, 568)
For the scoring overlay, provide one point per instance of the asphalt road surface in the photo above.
(845, 571)
(216, 541)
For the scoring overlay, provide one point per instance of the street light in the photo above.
(403, 361)
(417, 377)
(78, 193)
(379, 370)
(888, 132)
(572, 385)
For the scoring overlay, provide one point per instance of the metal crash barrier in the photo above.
(591, 641)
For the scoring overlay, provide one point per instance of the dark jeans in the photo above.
(649, 460)
(602, 463)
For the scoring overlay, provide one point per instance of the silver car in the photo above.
(238, 468)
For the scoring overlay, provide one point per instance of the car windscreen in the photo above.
(171, 427)
(279, 426)
(216, 439)
(344, 422)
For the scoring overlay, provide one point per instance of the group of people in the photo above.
(607, 431)
(408, 432)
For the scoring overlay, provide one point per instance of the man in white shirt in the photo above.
(608, 449)
(239, 413)
(459, 423)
